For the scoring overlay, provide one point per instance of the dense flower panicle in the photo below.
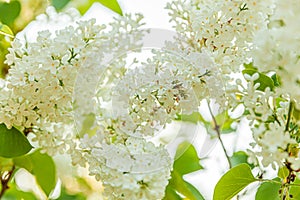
(256, 101)
(53, 79)
(135, 169)
(225, 28)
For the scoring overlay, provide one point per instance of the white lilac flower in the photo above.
(295, 162)
(256, 102)
(276, 138)
(275, 159)
(135, 170)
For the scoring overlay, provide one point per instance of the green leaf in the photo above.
(187, 160)
(268, 191)
(283, 172)
(59, 4)
(111, 4)
(263, 79)
(239, 157)
(9, 11)
(295, 190)
(13, 143)
(6, 31)
(42, 167)
(24, 162)
(233, 181)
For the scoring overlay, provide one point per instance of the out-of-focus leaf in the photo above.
(13, 143)
(187, 161)
(42, 167)
(9, 11)
(59, 4)
(5, 30)
(111, 4)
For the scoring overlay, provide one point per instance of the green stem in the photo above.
(291, 107)
(217, 129)
(270, 181)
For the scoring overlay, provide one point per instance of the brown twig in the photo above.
(5, 178)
